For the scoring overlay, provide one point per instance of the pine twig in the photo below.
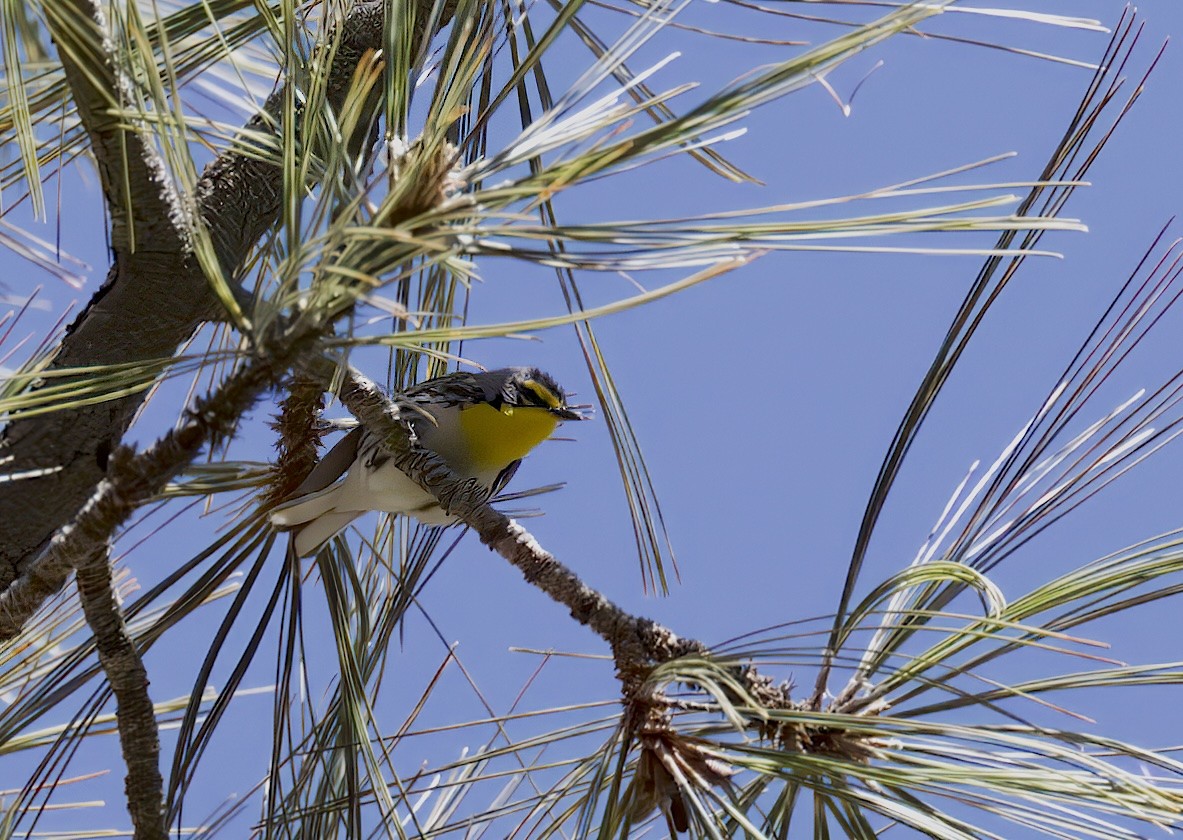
(134, 712)
(133, 479)
(637, 643)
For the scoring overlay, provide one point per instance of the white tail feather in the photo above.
(305, 508)
(319, 531)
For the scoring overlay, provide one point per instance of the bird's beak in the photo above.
(565, 413)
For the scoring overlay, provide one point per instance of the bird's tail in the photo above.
(313, 518)
(308, 539)
(305, 508)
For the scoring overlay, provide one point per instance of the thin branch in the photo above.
(134, 712)
(134, 479)
(27, 593)
(637, 643)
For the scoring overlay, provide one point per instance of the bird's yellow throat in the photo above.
(495, 437)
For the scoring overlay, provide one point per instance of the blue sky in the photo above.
(764, 401)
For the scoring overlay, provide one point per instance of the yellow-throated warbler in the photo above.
(481, 424)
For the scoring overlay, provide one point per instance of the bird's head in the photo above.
(529, 387)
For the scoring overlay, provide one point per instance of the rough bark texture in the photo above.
(155, 293)
(134, 713)
(132, 479)
(298, 425)
(146, 302)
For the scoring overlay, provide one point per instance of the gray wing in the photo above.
(332, 466)
(461, 387)
(504, 477)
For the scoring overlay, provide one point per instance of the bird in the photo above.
(482, 424)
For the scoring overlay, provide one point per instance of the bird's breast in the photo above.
(496, 437)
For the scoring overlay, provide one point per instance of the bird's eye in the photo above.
(542, 394)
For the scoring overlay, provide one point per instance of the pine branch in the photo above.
(133, 479)
(155, 295)
(637, 643)
(134, 712)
